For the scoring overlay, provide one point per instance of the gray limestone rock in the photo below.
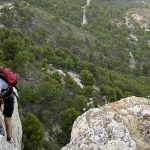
(123, 125)
(17, 131)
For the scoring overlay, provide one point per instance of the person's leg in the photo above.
(8, 125)
(2, 131)
(8, 111)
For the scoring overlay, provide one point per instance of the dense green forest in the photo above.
(36, 33)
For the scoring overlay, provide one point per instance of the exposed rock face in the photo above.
(17, 131)
(123, 125)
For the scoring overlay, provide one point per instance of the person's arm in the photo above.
(1, 97)
(1, 102)
(2, 94)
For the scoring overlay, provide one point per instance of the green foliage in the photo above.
(33, 132)
(72, 86)
(119, 93)
(12, 46)
(80, 102)
(87, 78)
(12, 43)
(26, 94)
(1, 55)
(49, 92)
(39, 35)
(109, 92)
(146, 68)
(7, 17)
(61, 9)
(68, 116)
(4, 32)
(88, 91)
(44, 63)
(69, 64)
(51, 146)
(21, 61)
(57, 77)
(82, 65)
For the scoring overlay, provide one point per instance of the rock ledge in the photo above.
(123, 125)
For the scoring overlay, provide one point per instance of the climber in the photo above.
(7, 98)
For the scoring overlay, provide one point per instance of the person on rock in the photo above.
(7, 99)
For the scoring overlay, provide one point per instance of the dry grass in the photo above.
(138, 130)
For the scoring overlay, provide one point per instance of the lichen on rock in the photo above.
(123, 125)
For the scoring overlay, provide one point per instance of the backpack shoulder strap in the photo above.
(15, 95)
(11, 88)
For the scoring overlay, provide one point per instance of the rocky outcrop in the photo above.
(123, 125)
(17, 131)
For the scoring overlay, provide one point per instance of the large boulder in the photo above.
(17, 131)
(123, 125)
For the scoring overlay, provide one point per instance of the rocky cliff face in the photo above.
(123, 125)
(17, 131)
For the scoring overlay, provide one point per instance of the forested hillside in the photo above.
(65, 67)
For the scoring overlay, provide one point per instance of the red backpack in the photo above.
(7, 75)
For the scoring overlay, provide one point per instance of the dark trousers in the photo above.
(8, 106)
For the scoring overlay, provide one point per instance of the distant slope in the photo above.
(107, 40)
(60, 32)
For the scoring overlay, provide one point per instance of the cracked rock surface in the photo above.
(123, 125)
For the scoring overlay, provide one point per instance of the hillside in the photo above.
(65, 66)
(116, 26)
(109, 37)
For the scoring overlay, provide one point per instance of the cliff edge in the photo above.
(123, 125)
(17, 131)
